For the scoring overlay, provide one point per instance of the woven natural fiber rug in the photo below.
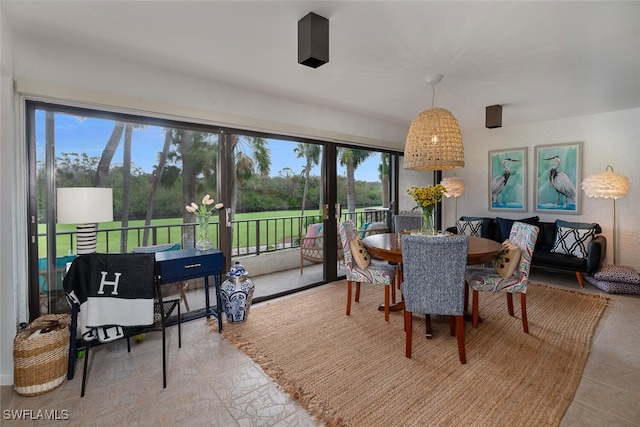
(351, 370)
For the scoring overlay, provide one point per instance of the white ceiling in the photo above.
(540, 60)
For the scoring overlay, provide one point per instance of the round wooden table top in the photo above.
(385, 246)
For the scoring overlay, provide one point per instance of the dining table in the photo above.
(388, 247)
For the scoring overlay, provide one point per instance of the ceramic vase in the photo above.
(236, 293)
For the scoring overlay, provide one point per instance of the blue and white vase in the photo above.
(236, 293)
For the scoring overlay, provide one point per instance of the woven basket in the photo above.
(40, 355)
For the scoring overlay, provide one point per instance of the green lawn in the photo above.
(170, 231)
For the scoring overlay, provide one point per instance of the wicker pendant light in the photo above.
(434, 141)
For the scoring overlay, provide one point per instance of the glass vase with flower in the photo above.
(427, 198)
(203, 214)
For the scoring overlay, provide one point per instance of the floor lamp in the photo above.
(454, 188)
(85, 207)
(607, 185)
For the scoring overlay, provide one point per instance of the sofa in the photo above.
(561, 245)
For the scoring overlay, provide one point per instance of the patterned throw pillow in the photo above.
(613, 287)
(505, 224)
(469, 228)
(507, 260)
(573, 241)
(359, 253)
(618, 273)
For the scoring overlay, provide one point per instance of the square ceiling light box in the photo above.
(313, 40)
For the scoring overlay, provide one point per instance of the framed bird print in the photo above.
(558, 175)
(508, 180)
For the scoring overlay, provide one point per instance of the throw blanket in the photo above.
(112, 291)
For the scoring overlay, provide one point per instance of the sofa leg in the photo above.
(580, 278)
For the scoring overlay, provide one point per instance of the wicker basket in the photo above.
(40, 355)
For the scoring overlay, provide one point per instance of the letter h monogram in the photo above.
(113, 283)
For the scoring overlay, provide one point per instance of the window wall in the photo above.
(272, 188)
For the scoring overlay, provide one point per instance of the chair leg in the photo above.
(408, 319)
(348, 297)
(427, 322)
(510, 304)
(386, 302)
(523, 308)
(460, 335)
(164, 358)
(357, 291)
(183, 296)
(180, 326)
(393, 290)
(86, 367)
(580, 278)
(475, 315)
(452, 326)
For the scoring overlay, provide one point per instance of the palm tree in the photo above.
(383, 170)
(311, 152)
(107, 154)
(197, 151)
(351, 158)
(155, 182)
(251, 155)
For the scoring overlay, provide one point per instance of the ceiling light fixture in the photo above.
(434, 141)
(313, 40)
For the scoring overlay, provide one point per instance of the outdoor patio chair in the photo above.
(312, 246)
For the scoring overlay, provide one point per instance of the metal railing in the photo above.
(250, 237)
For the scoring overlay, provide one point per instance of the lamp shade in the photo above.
(83, 205)
(608, 185)
(434, 142)
(454, 186)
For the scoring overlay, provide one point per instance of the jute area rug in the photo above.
(352, 370)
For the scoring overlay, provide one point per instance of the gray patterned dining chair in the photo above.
(407, 222)
(434, 282)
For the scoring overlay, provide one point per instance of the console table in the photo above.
(185, 264)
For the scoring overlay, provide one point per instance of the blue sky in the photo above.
(90, 136)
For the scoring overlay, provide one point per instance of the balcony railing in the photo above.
(250, 237)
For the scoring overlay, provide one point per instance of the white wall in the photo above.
(608, 139)
(84, 76)
(9, 271)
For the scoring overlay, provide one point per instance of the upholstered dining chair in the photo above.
(434, 273)
(489, 280)
(407, 222)
(400, 224)
(371, 271)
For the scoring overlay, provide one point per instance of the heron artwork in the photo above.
(499, 181)
(560, 181)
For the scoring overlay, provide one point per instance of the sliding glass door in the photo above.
(282, 196)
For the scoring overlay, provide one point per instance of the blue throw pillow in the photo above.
(504, 225)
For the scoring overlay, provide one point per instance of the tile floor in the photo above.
(126, 389)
